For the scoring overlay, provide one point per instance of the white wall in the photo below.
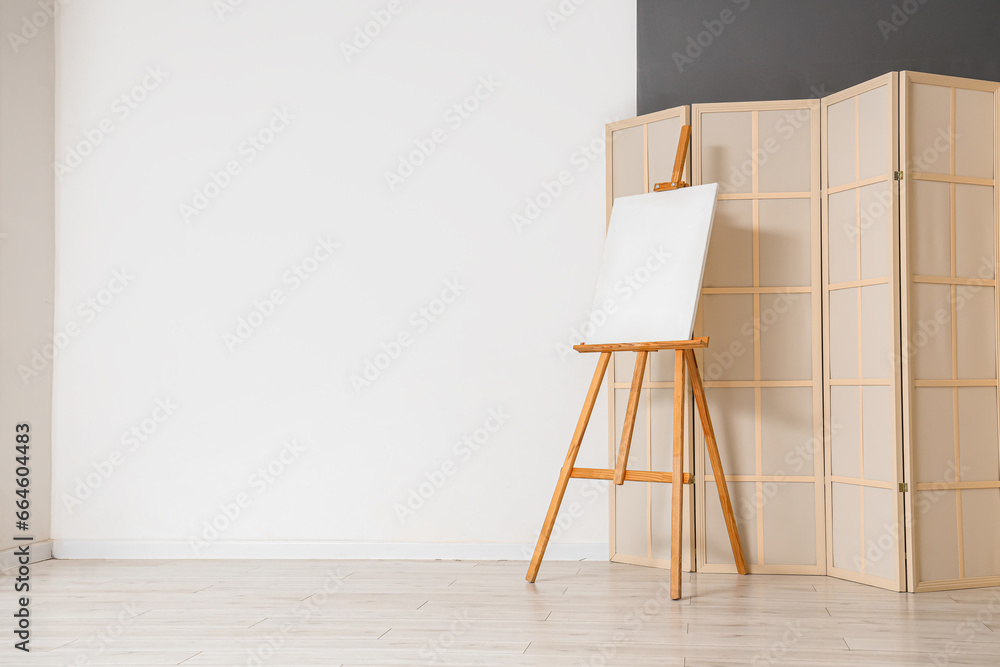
(27, 214)
(167, 284)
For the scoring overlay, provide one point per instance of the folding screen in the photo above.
(640, 153)
(949, 226)
(851, 301)
(861, 335)
(760, 307)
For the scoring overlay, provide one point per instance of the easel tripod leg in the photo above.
(713, 454)
(677, 482)
(567, 469)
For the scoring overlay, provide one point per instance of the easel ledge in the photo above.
(693, 344)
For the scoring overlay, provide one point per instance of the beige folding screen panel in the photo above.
(949, 212)
(640, 153)
(861, 334)
(760, 308)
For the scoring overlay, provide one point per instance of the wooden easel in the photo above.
(684, 359)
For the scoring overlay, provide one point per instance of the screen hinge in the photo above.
(904, 487)
(897, 175)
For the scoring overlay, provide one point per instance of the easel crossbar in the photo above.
(630, 475)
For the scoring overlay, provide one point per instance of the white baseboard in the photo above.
(166, 549)
(38, 552)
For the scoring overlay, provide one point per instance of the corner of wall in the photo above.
(27, 257)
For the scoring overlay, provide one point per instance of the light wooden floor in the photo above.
(240, 612)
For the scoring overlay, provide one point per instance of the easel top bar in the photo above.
(692, 344)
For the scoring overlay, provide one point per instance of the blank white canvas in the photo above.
(654, 259)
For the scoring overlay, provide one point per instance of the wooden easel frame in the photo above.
(684, 359)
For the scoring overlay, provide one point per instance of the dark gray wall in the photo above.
(791, 49)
